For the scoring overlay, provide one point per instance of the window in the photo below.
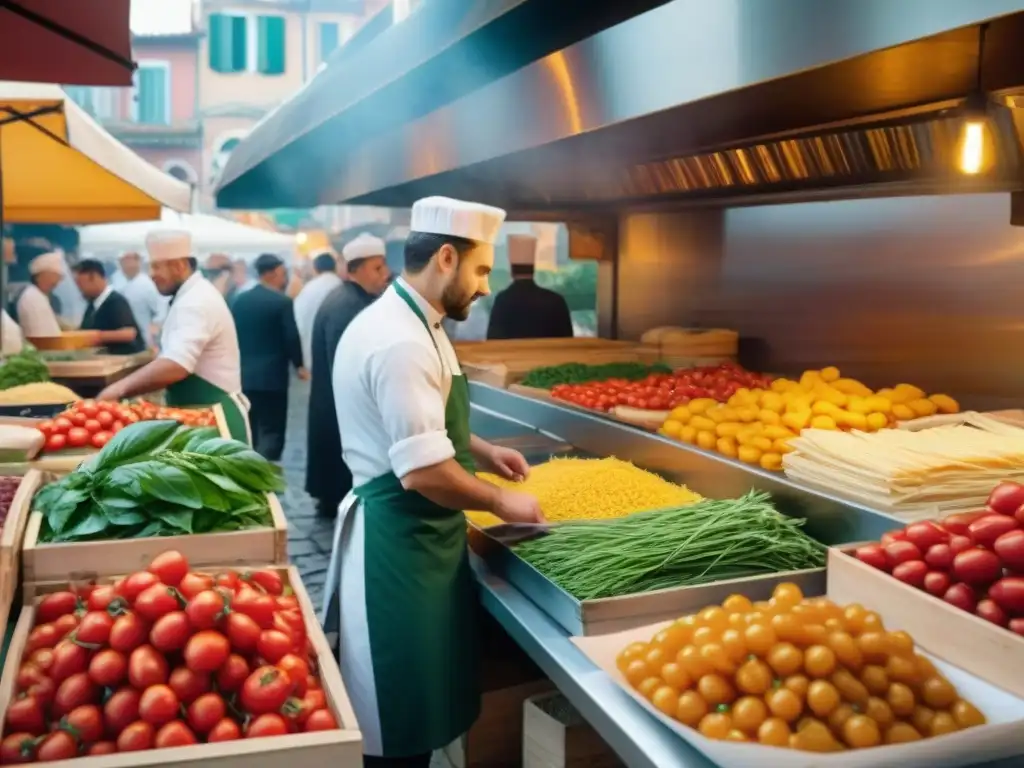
(244, 43)
(152, 98)
(181, 170)
(329, 38)
(98, 102)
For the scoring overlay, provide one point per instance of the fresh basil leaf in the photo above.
(59, 511)
(178, 519)
(225, 483)
(186, 436)
(155, 528)
(222, 446)
(121, 518)
(213, 497)
(135, 441)
(171, 485)
(126, 480)
(89, 526)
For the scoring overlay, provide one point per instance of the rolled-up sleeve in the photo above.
(191, 333)
(406, 382)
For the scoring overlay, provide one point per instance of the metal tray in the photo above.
(615, 614)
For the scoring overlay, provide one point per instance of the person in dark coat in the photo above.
(268, 340)
(327, 477)
(524, 310)
(107, 312)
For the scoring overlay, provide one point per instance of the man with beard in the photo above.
(399, 564)
(327, 477)
(199, 362)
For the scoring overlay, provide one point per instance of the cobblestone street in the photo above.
(309, 536)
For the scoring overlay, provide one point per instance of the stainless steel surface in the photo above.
(639, 739)
(584, 124)
(601, 617)
(829, 519)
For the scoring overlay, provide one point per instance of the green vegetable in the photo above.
(25, 367)
(694, 544)
(156, 478)
(578, 373)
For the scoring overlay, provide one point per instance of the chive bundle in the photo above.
(711, 540)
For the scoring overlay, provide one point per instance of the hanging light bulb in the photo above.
(972, 146)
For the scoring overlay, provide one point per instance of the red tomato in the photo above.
(232, 673)
(18, 748)
(937, 583)
(170, 567)
(939, 556)
(101, 598)
(188, 685)
(226, 730)
(26, 715)
(228, 579)
(170, 632)
(174, 734)
(88, 408)
(146, 667)
(958, 544)
(273, 645)
(42, 658)
(288, 603)
(105, 418)
(42, 636)
(108, 668)
(156, 601)
(205, 712)
(28, 674)
(136, 737)
(266, 725)
(78, 437)
(137, 583)
(926, 534)
(977, 567)
(957, 524)
(242, 632)
(1008, 593)
(158, 705)
(911, 572)
(66, 624)
(989, 610)
(206, 651)
(320, 720)
(46, 427)
(43, 691)
(206, 609)
(194, 583)
(87, 721)
(260, 608)
(92, 426)
(102, 748)
(267, 580)
(1010, 548)
(59, 745)
(100, 438)
(76, 691)
(266, 690)
(54, 606)
(1006, 497)
(128, 633)
(62, 424)
(94, 628)
(69, 658)
(121, 709)
(311, 702)
(873, 555)
(962, 596)
(890, 536)
(986, 529)
(900, 552)
(297, 669)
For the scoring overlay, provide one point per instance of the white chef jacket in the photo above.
(35, 315)
(147, 305)
(199, 335)
(11, 340)
(390, 388)
(307, 303)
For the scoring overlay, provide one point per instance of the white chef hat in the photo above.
(168, 244)
(363, 246)
(48, 262)
(522, 250)
(458, 218)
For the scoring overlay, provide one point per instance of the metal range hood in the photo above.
(724, 103)
(385, 79)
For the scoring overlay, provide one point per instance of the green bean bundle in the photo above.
(580, 373)
(700, 543)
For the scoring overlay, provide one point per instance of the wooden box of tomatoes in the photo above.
(181, 683)
(986, 650)
(12, 532)
(47, 564)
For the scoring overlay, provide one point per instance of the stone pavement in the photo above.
(309, 537)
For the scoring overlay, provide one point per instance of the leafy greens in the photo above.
(157, 478)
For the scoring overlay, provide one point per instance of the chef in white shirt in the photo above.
(148, 306)
(32, 309)
(199, 362)
(11, 340)
(400, 579)
(311, 297)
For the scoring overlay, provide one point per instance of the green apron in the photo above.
(195, 390)
(420, 601)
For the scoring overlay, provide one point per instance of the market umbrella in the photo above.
(77, 42)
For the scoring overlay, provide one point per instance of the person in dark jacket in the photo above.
(524, 310)
(269, 343)
(327, 477)
(107, 312)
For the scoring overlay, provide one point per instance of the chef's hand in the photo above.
(516, 507)
(508, 463)
(112, 393)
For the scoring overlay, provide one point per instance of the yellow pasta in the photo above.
(591, 489)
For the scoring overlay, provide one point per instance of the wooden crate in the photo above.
(342, 748)
(501, 364)
(987, 651)
(13, 534)
(46, 563)
(555, 735)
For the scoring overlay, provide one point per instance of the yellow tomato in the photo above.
(938, 693)
(877, 421)
(945, 403)
(748, 713)
(728, 428)
(715, 725)
(822, 698)
(716, 689)
(966, 714)
(691, 708)
(774, 732)
(706, 440)
(923, 407)
(681, 414)
(823, 422)
(703, 424)
(688, 434)
(771, 461)
(861, 732)
(785, 704)
(672, 428)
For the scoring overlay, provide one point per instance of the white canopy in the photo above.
(210, 234)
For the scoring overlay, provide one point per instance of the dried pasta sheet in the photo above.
(591, 489)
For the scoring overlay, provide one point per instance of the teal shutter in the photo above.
(328, 39)
(152, 95)
(270, 39)
(228, 43)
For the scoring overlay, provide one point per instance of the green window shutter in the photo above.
(271, 59)
(328, 39)
(228, 44)
(239, 44)
(152, 96)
